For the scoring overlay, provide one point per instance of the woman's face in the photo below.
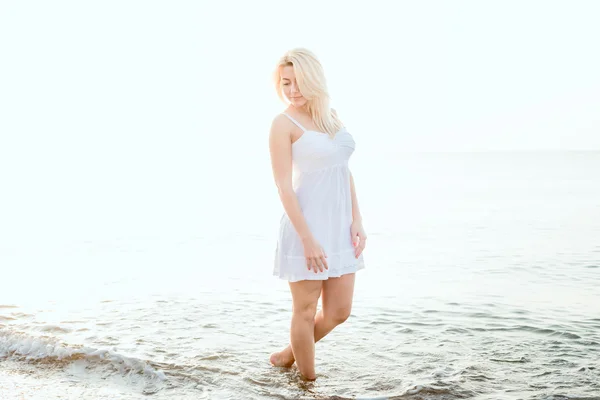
(290, 86)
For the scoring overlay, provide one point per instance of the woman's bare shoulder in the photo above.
(281, 125)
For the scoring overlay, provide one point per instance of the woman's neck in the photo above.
(300, 110)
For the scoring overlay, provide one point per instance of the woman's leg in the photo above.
(305, 297)
(337, 304)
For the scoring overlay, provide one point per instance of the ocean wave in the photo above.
(49, 351)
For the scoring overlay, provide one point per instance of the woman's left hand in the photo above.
(359, 237)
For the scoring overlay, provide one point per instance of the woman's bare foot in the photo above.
(284, 358)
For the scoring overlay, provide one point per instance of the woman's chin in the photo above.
(299, 103)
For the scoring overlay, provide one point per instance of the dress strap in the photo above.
(295, 122)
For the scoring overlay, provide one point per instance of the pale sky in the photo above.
(425, 75)
(101, 100)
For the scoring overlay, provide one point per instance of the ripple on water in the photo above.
(519, 360)
(54, 329)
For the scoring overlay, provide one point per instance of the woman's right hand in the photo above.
(315, 255)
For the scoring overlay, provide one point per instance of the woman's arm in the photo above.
(280, 147)
(359, 237)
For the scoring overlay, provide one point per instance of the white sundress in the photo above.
(322, 185)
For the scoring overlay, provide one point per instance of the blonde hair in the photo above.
(313, 86)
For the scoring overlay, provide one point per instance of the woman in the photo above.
(321, 237)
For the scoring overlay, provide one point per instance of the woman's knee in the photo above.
(306, 311)
(338, 315)
(305, 297)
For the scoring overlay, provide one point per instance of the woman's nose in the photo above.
(294, 88)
